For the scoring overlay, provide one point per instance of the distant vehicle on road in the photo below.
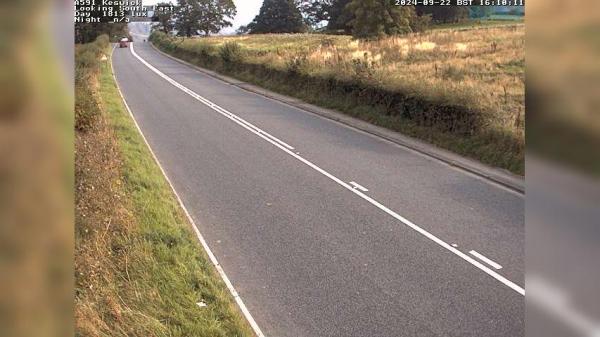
(124, 43)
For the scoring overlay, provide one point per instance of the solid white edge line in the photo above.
(362, 188)
(210, 104)
(486, 260)
(203, 242)
(374, 202)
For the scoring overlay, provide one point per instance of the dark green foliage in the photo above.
(278, 16)
(445, 14)
(88, 32)
(419, 23)
(379, 18)
(339, 18)
(231, 53)
(314, 11)
(370, 18)
(164, 15)
(242, 30)
(206, 16)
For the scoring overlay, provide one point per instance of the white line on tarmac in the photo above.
(486, 260)
(374, 202)
(418, 152)
(203, 242)
(356, 185)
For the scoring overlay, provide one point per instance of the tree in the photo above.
(339, 17)
(164, 15)
(206, 16)
(378, 18)
(242, 30)
(88, 32)
(332, 11)
(314, 11)
(278, 16)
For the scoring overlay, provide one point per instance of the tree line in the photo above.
(194, 17)
(361, 18)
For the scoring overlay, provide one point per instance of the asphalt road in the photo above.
(309, 253)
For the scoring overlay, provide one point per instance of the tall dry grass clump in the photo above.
(87, 66)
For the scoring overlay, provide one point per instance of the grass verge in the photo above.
(140, 270)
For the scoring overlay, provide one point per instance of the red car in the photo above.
(124, 43)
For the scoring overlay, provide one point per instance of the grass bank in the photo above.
(462, 90)
(140, 270)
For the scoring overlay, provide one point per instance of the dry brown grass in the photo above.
(491, 60)
(469, 82)
(482, 67)
(101, 219)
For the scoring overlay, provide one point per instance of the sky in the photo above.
(246, 11)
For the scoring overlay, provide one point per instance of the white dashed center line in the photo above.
(486, 260)
(353, 186)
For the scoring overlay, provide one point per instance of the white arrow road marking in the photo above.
(356, 185)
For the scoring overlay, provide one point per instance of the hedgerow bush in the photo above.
(231, 53)
(87, 66)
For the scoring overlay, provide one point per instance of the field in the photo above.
(139, 269)
(497, 21)
(461, 89)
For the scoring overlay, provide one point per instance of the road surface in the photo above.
(325, 230)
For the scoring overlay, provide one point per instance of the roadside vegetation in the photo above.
(139, 269)
(461, 89)
(451, 75)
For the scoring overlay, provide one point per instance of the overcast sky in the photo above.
(246, 11)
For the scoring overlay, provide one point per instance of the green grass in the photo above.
(155, 271)
(176, 269)
(481, 146)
